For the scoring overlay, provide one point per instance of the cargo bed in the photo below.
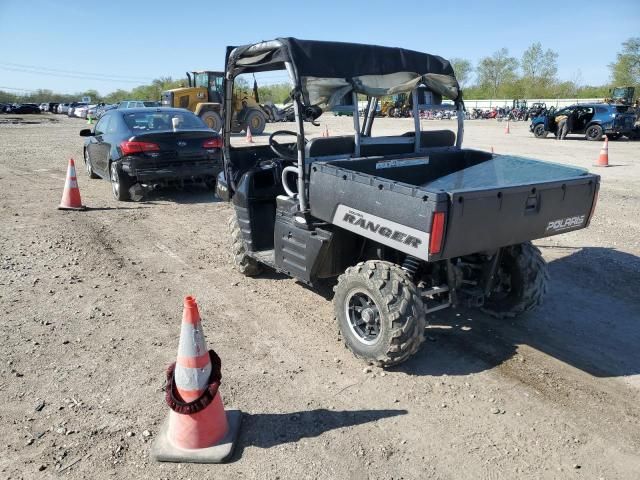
(489, 200)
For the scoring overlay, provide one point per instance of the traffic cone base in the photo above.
(164, 450)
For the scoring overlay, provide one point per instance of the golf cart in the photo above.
(409, 224)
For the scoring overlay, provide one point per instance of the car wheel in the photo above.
(594, 133)
(539, 131)
(212, 120)
(120, 183)
(88, 165)
(380, 313)
(242, 262)
(257, 121)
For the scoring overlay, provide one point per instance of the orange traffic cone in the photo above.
(507, 129)
(249, 136)
(198, 429)
(71, 193)
(603, 159)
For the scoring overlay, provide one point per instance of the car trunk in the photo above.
(489, 201)
(177, 146)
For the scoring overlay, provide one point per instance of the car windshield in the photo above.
(148, 121)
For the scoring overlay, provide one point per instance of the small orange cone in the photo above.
(198, 429)
(249, 136)
(507, 129)
(603, 159)
(71, 193)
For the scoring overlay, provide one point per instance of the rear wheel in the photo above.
(539, 131)
(594, 133)
(243, 263)
(213, 120)
(120, 183)
(520, 283)
(256, 121)
(380, 313)
(88, 166)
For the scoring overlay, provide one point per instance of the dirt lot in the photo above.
(91, 306)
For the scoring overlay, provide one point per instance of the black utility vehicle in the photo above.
(412, 223)
(138, 149)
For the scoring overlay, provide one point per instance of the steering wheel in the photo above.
(289, 152)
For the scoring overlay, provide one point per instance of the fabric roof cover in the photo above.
(326, 71)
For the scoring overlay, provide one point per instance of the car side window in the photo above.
(102, 125)
(113, 126)
(601, 110)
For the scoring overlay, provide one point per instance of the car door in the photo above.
(98, 148)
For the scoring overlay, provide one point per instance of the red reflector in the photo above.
(129, 148)
(437, 233)
(212, 143)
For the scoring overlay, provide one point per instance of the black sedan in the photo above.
(151, 147)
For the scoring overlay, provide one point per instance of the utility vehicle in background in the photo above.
(409, 224)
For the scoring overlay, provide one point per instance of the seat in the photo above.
(435, 138)
(329, 146)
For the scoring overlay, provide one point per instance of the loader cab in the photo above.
(211, 82)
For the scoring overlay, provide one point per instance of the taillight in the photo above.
(129, 148)
(212, 143)
(437, 233)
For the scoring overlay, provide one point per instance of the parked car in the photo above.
(141, 146)
(73, 106)
(63, 108)
(53, 107)
(138, 104)
(26, 108)
(44, 107)
(593, 120)
(83, 111)
(100, 111)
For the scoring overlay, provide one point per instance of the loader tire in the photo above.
(380, 313)
(242, 262)
(520, 284)
(257, 121)
(212, 119)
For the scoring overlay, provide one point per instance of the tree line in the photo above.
(500, 75)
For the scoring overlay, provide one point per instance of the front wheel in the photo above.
(256, 121)
(120, 183)
(594, 133)
(242, 262)
(520, 282)
(539, 131)
(380, 313)
(213, 120)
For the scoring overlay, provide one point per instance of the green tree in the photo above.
(496, 70)
(539, 69)
(463, 70)
(626, 69)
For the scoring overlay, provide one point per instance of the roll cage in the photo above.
(320, 82)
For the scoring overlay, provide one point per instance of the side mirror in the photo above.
(86, 132)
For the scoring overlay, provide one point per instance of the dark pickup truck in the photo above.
(409, 224)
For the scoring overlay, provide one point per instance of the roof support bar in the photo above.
(416, 119)
(356, 123)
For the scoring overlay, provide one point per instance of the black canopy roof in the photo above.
(348, 62)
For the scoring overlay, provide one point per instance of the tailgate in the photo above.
(553, 199)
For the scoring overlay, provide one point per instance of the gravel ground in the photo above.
(91, 304)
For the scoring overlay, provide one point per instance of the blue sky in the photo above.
(129, 42)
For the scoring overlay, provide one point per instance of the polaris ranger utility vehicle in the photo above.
(410, 224)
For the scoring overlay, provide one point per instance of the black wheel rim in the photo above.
(592, 132)
(363, 317)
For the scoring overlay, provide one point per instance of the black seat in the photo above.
(327, 146)
(435, 138)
